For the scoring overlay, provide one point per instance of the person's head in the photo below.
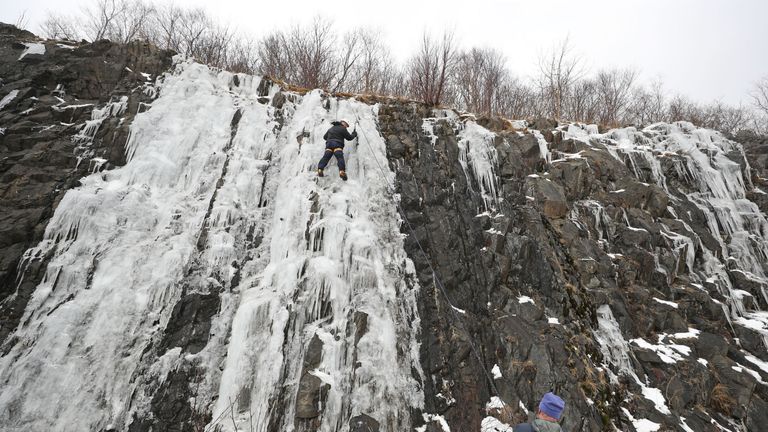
(344, 123)
(551, 407)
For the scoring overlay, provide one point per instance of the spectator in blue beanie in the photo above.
(547, 417)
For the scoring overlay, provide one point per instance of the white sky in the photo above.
(706, 49)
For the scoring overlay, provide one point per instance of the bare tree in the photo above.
(22, 21)
(312, 54)
(132, 22)
(57, 26)
(243, 56)
(373, 71)
(517, 100)
(760, 95)
(558, 71)
(101, 16)
(430, 68)
(614, 89)
(351, 52)
(584, 103)
(274, 60)
(478, 77)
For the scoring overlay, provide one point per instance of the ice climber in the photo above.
(547, 417)
(334, 146)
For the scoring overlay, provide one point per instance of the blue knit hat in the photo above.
(552, 405)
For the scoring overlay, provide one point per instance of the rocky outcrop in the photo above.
(598, 237)
(66, 112)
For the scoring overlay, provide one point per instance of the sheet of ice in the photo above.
(120, 244)
(479, 159)
(32, 48)
(195, 197)
(612, 343)
(332, 249)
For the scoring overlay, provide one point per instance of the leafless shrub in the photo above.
(518, 100)
(131, 23)
(558, 71)
(614, 89)
(22, 21)
(58, 26)
(430, 68)
(760, 101)
(479, 77)
(584, 102)
(305, 56)
(374, 70)
(312, 53)
(100, 16)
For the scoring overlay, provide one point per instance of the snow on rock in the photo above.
(641, 425)
(525, 299)
(495, 403)
(32, 48)
(436, 418)
(492, 424)
(496, 371)
(669, 353)
(665, 302)
(8, 98)
(757, 362)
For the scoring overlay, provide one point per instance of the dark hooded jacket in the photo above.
(338, 133)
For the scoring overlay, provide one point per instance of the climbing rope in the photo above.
(438, 282)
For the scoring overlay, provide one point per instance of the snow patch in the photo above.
(32, 48)
(496, 371)
(8, 98)
(525, 299)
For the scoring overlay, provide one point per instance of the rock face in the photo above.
(598, 276)
(196, 274)
(66, 112)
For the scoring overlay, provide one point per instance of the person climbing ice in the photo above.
(334, 146)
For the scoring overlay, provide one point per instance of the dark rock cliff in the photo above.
(586, 230)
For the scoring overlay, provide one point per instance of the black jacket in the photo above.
(338, 133)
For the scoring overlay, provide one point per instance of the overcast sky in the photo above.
(706, 49)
